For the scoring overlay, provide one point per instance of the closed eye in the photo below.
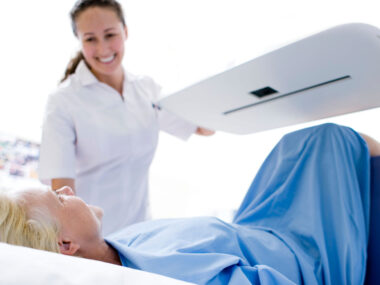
(61, 197)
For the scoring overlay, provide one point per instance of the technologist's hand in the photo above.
(204, 132)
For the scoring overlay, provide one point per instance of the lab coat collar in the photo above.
(86, 77)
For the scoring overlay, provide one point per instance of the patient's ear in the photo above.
(68, 247)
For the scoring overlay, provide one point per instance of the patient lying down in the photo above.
(303, 220)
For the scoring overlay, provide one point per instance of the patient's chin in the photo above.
(98, 212)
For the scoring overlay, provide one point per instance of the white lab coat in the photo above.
(106, 144)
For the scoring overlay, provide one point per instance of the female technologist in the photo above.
(101, 127)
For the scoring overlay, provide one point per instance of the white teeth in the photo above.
(107, 59)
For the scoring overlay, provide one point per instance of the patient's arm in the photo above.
(57, 183)
(373, 145)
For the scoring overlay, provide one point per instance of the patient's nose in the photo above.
(66, 190)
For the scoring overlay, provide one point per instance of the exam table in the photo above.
(21, 265)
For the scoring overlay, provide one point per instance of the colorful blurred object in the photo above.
(18, 159)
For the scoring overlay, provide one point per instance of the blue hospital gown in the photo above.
(304, 220)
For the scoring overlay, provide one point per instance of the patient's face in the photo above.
(76, 219)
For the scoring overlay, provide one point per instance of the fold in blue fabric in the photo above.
(304, 220)
(373, 260)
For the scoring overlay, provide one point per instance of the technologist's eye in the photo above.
(89, 40)
(109, 35)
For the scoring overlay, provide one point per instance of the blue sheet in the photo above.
(303, 220)
(373, 261)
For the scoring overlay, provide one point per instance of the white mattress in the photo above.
(21, 265)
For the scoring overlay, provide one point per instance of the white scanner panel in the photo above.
(331, 73)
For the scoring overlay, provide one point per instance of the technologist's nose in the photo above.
(66, 190)
(102, 47)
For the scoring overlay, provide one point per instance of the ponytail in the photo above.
(73, 64)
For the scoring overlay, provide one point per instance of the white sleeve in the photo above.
(57, 152)
(175, 125)
(171, 123)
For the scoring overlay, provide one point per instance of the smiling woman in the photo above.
(101, 30)
(56, 221)
(101, 126)
(76, 222)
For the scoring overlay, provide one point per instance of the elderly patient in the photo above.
(303, 220)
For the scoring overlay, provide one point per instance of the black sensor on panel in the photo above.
(263, 92)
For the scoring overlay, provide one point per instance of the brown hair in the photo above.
(79, 7)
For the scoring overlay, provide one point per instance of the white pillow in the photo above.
(21, 265)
